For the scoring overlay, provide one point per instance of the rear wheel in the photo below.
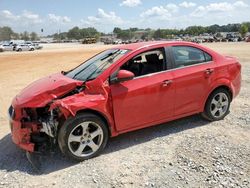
(83, 137)
(217, 105)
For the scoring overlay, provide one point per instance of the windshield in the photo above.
(93, 67)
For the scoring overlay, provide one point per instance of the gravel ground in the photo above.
(189, 152)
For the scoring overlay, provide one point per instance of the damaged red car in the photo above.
(120, 90)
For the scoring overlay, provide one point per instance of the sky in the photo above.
(55, 16)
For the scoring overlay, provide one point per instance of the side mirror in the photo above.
(122, 75)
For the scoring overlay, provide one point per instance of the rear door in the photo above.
(193, 73)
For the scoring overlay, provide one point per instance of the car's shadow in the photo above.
(14, 159)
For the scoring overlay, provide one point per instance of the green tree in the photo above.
(117, 30)
(248, 25)
(89, 32)
(157, 34)
(74, 33)
(25, 36)
(243, 30)
(15, 36)
(195, 30)
(33, 36)
(124, 34)
(214, 29)
(6, 33)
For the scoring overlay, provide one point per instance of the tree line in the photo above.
(77, 34)
(127, 34)
(6, 33)
(192, 30)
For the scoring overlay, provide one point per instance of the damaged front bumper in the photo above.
(21, 131)
(33, 123)
(30, 131)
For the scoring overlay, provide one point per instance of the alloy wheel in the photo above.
(85, 139)
(219, 105)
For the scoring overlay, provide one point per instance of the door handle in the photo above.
(167, 83)
(209, 71)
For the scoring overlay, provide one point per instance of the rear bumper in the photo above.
(237, 82)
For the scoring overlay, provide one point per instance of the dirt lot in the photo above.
(189, 152)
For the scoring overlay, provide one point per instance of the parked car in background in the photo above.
(24, 47)
(36, 45)
(248, 39)
(122, 89)
(6, 47)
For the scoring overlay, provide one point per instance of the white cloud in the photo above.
(130, 3)
(156, 11)
(58, 19)
(25, 18)
(8, 15)
(240, 4)
(30, 21)
(103, 20)
(224, 6)
(31, 17)
(199, 11)
(172, 8)
(218, 8)
(103, 17)
(162, 12)
(186, 4)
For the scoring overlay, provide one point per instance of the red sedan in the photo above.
(120, 90)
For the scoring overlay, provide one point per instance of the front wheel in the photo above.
(83, 137)
(217, 105)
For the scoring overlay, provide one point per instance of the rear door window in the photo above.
(186, 56)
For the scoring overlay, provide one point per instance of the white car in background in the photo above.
(6, 47)
(36, 45)
(24, 47)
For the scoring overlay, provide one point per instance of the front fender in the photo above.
(79, 102)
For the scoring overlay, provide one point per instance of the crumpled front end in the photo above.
(32, 128)
(33, 124)
(37, 113)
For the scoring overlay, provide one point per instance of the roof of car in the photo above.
(136, 46)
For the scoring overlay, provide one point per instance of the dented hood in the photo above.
(42, 91)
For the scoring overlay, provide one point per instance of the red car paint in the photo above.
(133, 104)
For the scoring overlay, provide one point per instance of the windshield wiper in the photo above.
(108, 55)
(81, 71)
(103, 65)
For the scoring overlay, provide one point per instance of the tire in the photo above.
(80, 145)
(32, 49)
(19, 50)
(217, 105)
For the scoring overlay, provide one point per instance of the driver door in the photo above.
(143, 101)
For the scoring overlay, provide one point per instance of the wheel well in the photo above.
(220, 87)
(223, 87)
(97, 114)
